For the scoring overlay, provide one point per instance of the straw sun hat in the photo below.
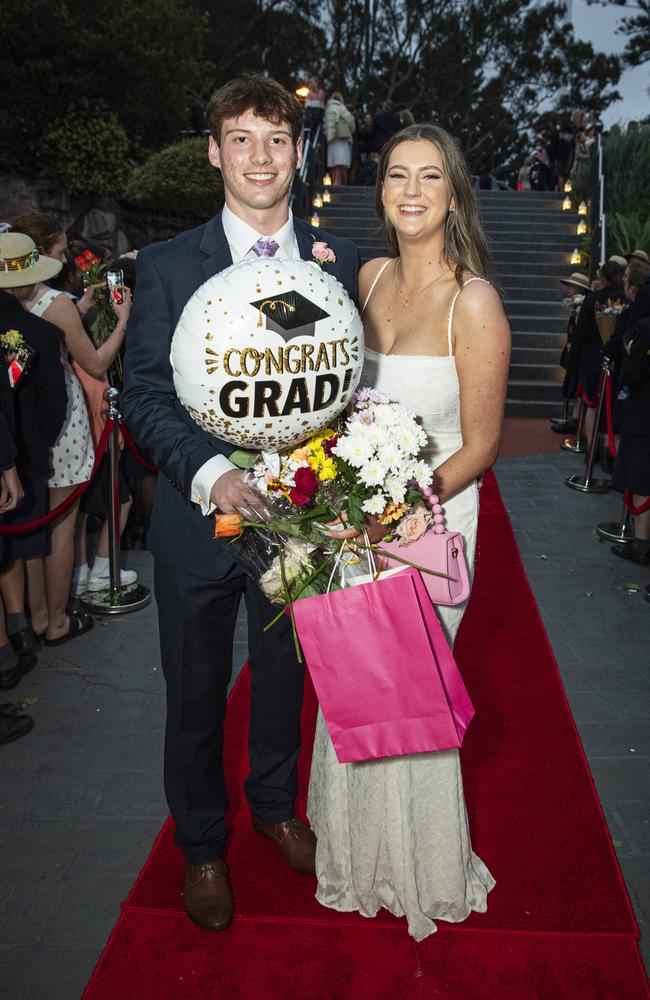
(21, 264)
(577, 279)
(639, 255)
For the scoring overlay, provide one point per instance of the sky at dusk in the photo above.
(597, 25)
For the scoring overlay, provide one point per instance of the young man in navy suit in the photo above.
(255, 142)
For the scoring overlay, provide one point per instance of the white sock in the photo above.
(100, 566)
(79, 573)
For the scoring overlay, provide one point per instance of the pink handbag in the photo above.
(438, 550)
(385, 678)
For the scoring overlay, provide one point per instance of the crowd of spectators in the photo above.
(561, 152)
(55, 372)
(620, 291)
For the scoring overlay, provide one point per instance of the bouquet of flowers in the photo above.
(573, 303)
(606, 316)
(18, 355)
(93, 272)
(368, 464)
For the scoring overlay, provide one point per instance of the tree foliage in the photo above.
(88, 155)
(143, 59)
(177, 179)
(635, 26)
(484, 69)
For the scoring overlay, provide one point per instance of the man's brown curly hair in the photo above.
(254, 92)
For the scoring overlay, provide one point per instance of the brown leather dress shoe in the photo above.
(208, 896)
(296, 842)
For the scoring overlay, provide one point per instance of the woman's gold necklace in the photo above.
(403, 297)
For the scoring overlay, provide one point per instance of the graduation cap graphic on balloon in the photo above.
(291, 315)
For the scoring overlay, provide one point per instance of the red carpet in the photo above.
(559, 924)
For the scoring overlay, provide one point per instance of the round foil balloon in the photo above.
(266, 352)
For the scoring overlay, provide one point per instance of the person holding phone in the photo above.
(72, 456)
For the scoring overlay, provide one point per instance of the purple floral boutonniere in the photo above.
(322, 253)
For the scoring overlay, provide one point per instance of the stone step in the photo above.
(524, 389)
(544, 296)
(537, 339)
(533, 408)
(537, 373)
(525, 282)
(535, 307)
(537, 324)
(538, 356)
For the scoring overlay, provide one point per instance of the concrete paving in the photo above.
(82, 796)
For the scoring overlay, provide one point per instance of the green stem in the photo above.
(287, 591)
(312, 576)
(407, 562)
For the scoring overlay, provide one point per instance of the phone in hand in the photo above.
(115, 280)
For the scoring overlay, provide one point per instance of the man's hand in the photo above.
(11, 492)
(233, 492)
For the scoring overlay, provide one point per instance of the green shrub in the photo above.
(629, 232)
(178, 178)
(627, 173)
(86, 153)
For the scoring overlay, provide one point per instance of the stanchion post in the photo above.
(585, 484)
(618, 531)
(112, 396)
(115, 600)
(577, 446)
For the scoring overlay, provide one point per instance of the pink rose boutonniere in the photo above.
(323, 254)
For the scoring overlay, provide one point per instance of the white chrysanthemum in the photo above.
(386, 415)
(396, 487)
(422, 473)
(407, 439)
(354, 449)
(375, 505)
(390, 456)
(372, 473)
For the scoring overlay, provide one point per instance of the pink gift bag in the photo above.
(385, 677)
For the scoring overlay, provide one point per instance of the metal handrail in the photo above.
(597, 214)
(305, 181)
(601, 200)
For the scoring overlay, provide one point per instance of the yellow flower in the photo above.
(11, 339)
(392, 512)
(328, 470)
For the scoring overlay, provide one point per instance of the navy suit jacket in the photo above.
(168, 274)
(40, 399)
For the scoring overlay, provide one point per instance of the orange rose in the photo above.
(228, 525)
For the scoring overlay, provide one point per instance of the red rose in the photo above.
(306, 482)
(299, 499)
(80, 262)
(88, 254)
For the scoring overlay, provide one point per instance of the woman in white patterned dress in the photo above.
(73, 454)
(393, 832)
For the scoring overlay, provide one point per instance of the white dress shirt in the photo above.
(241, 239)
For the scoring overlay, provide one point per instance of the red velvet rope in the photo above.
(608, 414)
(593, 402)
(135, 451)
(40, 522)
(641, 509)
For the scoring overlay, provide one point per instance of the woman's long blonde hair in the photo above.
(465, 246)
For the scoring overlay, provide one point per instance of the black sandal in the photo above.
(80, 623)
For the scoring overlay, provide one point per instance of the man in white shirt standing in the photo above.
(255, 141)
